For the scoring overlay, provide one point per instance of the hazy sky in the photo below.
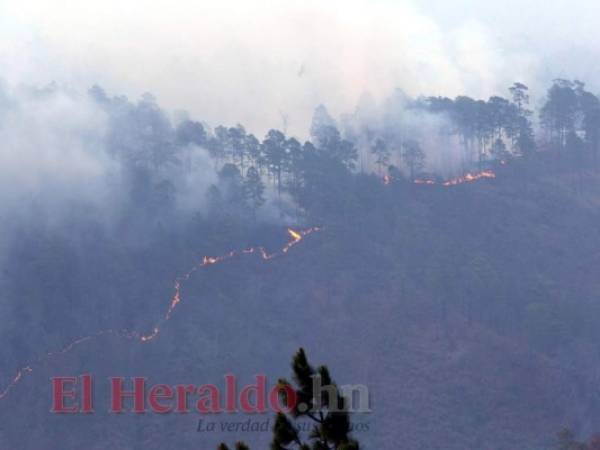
(253, 62)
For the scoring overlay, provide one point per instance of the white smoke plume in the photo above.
(269, 64)
(52, 153)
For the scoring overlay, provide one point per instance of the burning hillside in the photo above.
(469, 177)
(294, 238)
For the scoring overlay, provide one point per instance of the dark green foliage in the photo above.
(339, 149)
(190, 132)
(499, 150)
(559, 113)
(480, 125)
(276, 155)
(330, 414)
(414, 158)
(236, 146)
(253, 191)
(332, 424)
(238, 446)
(382, 154)
(284, 432)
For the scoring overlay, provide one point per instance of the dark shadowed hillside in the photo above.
(469, 311)
(464, 298)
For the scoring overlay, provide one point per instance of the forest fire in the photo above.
(469, 177)
(424, 181)
(466, 178)
(295, 238)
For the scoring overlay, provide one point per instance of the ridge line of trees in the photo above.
(488, 132)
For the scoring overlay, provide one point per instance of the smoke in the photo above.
(52, 154)
(52, 161)
(264, 63)
(398, 119)
(77, 156)
(443, 153)
(193, 182)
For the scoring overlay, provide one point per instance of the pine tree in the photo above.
(322, 126)
(236, 138)
(499, 150)
(190, 132)
(520, 97)
(559, 114)
(275, 155)
(254, 189)
(238, 446)
(330, 415)
(382, 154)
(413, 157)
(231, 185)
(254, 151)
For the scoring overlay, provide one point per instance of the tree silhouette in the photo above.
(414, 157)
(253, 191)
(327, 409)
(382, 154)
(190, 132)
(559, 113)
(275, 155)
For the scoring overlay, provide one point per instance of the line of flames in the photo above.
(469, 177)
(295, 238)
(466, 178)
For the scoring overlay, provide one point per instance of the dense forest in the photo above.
(424, 138)
(467, 303)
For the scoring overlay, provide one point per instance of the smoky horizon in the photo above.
(317, 209)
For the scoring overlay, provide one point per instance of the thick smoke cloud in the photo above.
(264, 64)
(70, 156)
(52, 152)
(398, 119)
(268, 64)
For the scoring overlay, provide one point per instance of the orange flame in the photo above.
(466, 178)
(424, 181)
(469, 177)
(296, 236)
